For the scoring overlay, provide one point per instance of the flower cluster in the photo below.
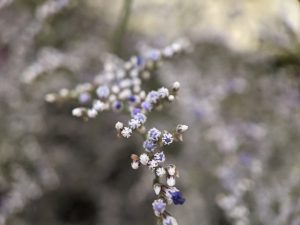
(119, 88)
(154, 159)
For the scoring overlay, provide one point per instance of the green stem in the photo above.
(121, 27)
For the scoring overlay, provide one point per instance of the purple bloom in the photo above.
(177, 197)
(154, 54)
(140, 117)
(153, 97)
(154, 134)
(117, 105)
(135, 111)
(159, 206)
(132, 98)
(147, 106)
(167, 138)
(102, 91)
(160, 157)
(84, 97)
(148, 145)
(139, 61)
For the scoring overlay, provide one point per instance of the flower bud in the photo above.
(171, 181)
(135, 165)
(144, 159)
(157, 188)
(171, 169)
(176, 86)
(181, 128)
(119, 126)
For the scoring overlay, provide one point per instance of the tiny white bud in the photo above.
(64, 92)
(125, 94)
(119, 126)
(115, 89)
(144, 159)
(171, 181)
(112, 98)
(143, 95)
(171, 98)
(136, 89)
(157, 188)
(77, 112)
(145, 75)
(92, 113)
(181, 128)
(176, 86)
(135, 165)
(50, 98)
(171, 170)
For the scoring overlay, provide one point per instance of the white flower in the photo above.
(98, 105)
(163, 92)
(171, 170)
(135, 165)
(169, 220)
(152, 164)
(171, 181)
(78, 112)
(119, 126)
(160, 171)
(126, 132)
(144, 158)
(92, 113)
(134, 124)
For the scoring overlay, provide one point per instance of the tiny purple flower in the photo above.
(154, 134)
(152, 97)
(149, 145)
(134, 124)
(84, 97)
(132, 98)
(159, 206)
(160, 157)
(177, 198)
(167, 138)
(102, 91)
(117, 105)
(147, 106)
(140, 117)
(135, 111)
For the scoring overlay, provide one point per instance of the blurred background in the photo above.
(240, 96)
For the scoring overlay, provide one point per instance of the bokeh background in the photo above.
(240, 96)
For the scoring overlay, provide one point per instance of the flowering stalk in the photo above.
(119, 88)
(154, 157)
